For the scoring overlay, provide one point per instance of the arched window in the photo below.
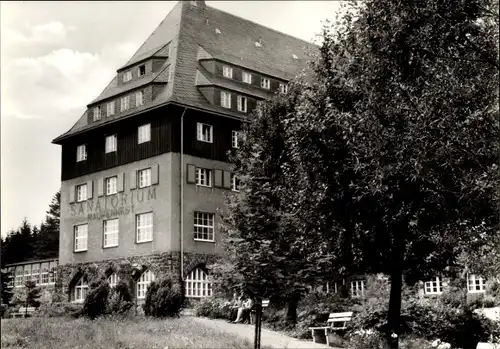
(81, 289)
(143, 283)
(113, 280)
(197, 284)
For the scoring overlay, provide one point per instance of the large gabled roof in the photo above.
(224, 37)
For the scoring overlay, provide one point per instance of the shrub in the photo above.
(96, 299)
(119, 299)
(60, 310)
(362, 339)
(164, 298)
(213, 307)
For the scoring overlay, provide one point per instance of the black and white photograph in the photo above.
(250, 174)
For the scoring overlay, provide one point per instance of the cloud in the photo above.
(47, 33)
(61, 81)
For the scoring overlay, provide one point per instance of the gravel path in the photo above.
(268, 338)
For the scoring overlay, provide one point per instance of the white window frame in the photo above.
(143, 283)
(139, 70)
(473, 282)
(204, 132)
(204, 223)
(111, 185)
(82, 286)
(197, 284)
(144, 177)
(97, 113)
(283, 88)
(265, 83)
(358, 288)
(110, 228)
(44, 276)
(144, 133)
(124, 103)
(113, 280)
(52, 276)
(434, 286)
(242, 103)
(18, 279)
(81, 153)
(110, 108)
(227, 71)
(139, 98)
(246, 77)
(35, 274)
(234, 183)
(234, 139)
(203, 177)
(111, 144)
(127, 76)
(81, 192)
(225, 99)
(80, 242)
(144, 227)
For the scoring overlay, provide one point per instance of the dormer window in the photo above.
(127, 76)
(97, 113)
(247, 77)
(141, 70)
(225, 99)
(124, 103)
(110, 108)
(227, 72)
(242, 104)
(283, 88)
(139, 99)
(265, 83)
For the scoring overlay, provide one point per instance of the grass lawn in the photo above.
(134, 333)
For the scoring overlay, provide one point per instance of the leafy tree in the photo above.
(402, 129)
(95, 303)
(31, 295)
(6, 292)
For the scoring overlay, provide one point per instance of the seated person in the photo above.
(244, 311)
(235, 303)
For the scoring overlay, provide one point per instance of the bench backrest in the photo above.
(23, 309)
(265, 303)
(334, 318)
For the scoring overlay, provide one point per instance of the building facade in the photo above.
(145, 168)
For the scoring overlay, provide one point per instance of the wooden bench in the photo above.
(24, 312)
(265, 304)
(335, 322)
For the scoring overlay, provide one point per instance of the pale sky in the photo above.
(56, 57)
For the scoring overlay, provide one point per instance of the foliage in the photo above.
(365, 339)
(213, 307)
(164, 298)
(6, 293)
(96, 300)
(119, 299)
(60, 309)
(32, 294)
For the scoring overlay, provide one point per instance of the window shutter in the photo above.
(133, 179)
(227, 179)
(72, 194)
(100, 187)
(90, 189)
(119, 182)
(198, 131)
(154, 174)
(218, 178)
(191, 173)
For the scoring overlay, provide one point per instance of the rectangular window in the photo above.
(110, 229)
(203, 177)
(204, 226)
(110, 144)
(97, 113)
(144, 133)
(144, 227)
(225, 99)
(265, 83)
(81, 153)
(81, 192)
(110, 108)
(283, 88)
(433, 286)
(111, 185)
(44, 276)
(475, 284)
(81, 237)
(145, 178)
(35, 275)
(234, 139)
(124, 103)
(204, 132)
(141, 70)
(127, 76)
(139, 99)
(247, 77)
(242, 104)
(358, 288)
(235, 183)
(227, 72)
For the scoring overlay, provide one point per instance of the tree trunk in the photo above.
(393, 319)
(291, 313)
